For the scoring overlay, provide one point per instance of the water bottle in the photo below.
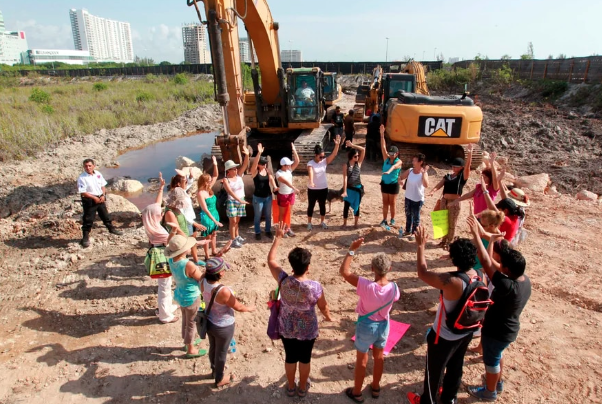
(232, 348)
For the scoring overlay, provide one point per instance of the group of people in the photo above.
(489, 257)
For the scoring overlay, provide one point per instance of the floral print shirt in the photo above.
(297, 318)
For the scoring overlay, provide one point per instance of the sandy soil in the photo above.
(79, 326)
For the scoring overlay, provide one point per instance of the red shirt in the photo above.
(510, 225)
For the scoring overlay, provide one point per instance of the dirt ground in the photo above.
(78, 325)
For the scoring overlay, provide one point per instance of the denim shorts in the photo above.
(492, 353)
(369, 332)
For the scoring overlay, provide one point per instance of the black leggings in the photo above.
(298, 350)
(314, 195)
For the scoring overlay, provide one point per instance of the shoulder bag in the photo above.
(274, 306)
(202, 318)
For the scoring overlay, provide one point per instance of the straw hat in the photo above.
(177, 198)
(519, 197)
(179, 245)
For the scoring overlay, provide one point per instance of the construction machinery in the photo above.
(333, 91)
(285, 107)
(440, 127)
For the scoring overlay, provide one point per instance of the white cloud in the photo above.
(40, 36)
(160, 43)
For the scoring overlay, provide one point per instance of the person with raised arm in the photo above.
(209, 215)
(490, 179)
(318, 184)
(453, 185)
(236, 204)
(445, 348)
(389, 182)
(297, 320)
(286, 189)
(417, 180)
(263, 179)
(353, 190)
(375, 302)
(512, 290)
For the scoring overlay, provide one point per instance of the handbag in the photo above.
(360, 318)
(156, 264)
(202, 318)
(274, 306)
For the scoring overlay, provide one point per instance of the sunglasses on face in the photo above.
(321, 157)
(392, 154)
(356, 156)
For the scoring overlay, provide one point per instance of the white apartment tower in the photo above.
(12, 45)
(194, 38)
(291, 55)
(106, 40)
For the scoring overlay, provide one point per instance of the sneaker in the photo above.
(499, 387)
(392, 223)
(269, 235)
(236, 244)
(258, 236)
(290, 233)
(413, 398)
(324, 225)
(384, 225)
(116, 232)
(240, 239)
(482, 393)
(309, 227)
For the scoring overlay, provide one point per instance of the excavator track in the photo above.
(307, 141)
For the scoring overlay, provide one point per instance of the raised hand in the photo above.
(161, 180)
(337, 140)
(421, 236)
(470, 147)
(293, 148)
(259, 148)
(348, 143)
(425, 169)
(214, 160)
(245, 151)
(473, 225)
(356, 243)
(280, 232)
(492, 157)
(382, 130)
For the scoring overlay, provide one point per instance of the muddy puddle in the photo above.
(144, 164)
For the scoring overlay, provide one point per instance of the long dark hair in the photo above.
(318, 149)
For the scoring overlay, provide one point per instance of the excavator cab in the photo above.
(332, 89)
(305, 93)
(394, 83)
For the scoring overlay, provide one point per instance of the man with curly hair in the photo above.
(445, 352)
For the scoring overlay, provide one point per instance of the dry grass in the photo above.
(27, 127)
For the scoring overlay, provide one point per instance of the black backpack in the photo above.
(469, 313)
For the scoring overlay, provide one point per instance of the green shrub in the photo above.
(47, 109)
(452, 80)
(39, 96)
(551, 89)
(180, 78)
(100, 86)
(150, 78)
(144, 96)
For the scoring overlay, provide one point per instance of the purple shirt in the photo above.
(479, 198)
(297, 318)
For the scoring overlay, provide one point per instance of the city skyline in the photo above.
(486, 28)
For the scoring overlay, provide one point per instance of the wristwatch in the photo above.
(351, 253)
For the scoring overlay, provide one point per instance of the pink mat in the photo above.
(396, 331)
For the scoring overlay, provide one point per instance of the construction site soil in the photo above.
(78, 325)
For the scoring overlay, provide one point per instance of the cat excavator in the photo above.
(285, 107)
(439, 127)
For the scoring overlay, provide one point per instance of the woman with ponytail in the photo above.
(318, 185)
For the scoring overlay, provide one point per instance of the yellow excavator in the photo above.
(440, 127)
(287, 106)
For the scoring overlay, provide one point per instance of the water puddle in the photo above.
(146, 163)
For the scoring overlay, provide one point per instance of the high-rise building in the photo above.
(106, 40)
(290, 55)
(12, 45)
(243, 46)
(194, 39)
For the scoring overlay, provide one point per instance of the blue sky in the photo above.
(348, 30)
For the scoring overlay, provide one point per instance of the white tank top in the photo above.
(414, 187)
(238, 188)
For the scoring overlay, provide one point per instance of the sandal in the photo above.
(202, 352)
(291, 392)
(375, 392)
(196, 342)
(354, 398)
(303, 393)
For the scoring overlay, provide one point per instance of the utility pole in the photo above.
(387, 51)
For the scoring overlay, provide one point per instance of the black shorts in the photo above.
(298, 350)
(392, 189)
